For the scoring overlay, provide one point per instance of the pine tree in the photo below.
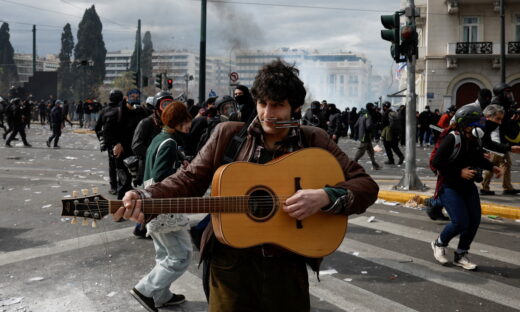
(138, 47)
(146, 60)
(89, 55)
(8, 71)
(65, 74)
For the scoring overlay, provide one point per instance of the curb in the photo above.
(508, 212)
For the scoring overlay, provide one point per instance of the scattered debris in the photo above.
(371, 219)
(328, 272)
(393, 276)
(392, 211)
(46, 206)
(347, 279)
(10, 301)
(111, 294)
(484, 251)
(70, 157)
(364, 272)
(36, 279)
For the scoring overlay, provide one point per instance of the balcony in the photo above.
(474, 48)
(513, 47)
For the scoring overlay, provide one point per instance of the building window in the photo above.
(353, 90)
(342, 79)
(353, 79)
(470, 27)
(332, 79)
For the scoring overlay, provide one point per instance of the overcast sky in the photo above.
(327, 25)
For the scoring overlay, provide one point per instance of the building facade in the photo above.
(459, 50)
(342, 78)
(24, 65)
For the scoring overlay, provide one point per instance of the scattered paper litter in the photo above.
(27, 200)
(355, 253)
(517, 220)
(484, 251)
(392, 211)
(65, 219)
(111, 294)
(389, 203)
(35, 179)
(364, 272)
(371, 219)
(46, 206)
(67, 196)
(328, 272)
(35, 279)
(37, 192)
(55, 186)
(378, 148)
(10, 301)
(347, 279)
(70, 157)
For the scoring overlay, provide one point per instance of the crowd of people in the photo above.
(164, 146)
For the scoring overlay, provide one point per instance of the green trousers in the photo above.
(245, 281)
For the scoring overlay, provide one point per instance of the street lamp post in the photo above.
(187, 78)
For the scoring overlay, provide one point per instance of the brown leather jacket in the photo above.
(194, 180)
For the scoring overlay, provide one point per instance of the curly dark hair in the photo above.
(279, 81)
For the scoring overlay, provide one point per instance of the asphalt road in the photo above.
(47, 264)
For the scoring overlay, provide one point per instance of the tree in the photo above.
(138, 47)
(8, 71)
(89, 56)
(65, 74)
(146, 62)
(124, 82)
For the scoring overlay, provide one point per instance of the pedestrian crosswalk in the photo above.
(382, 265)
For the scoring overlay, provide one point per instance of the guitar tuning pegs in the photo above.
(84, 222)
(74, 194)
(94, 223)
(74, 220)
(84, 192)
(95, 190)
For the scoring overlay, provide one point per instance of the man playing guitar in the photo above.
(265, 277)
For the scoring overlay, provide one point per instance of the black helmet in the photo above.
(226, 106)
(467, 116)
(386, 104)
(158, 100)
(498, 89)
(452, 109)
(115, 96)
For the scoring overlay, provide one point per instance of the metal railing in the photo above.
(474, 48)
(513, 47)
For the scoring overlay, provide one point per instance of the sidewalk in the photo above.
(508, 208)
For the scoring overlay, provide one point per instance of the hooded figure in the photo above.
(246, 105)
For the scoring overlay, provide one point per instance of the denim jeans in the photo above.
(173, 253)
(463, 206)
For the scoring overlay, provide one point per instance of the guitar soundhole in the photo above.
(261, 204)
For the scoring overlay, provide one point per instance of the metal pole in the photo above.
(502, 43)
(34, 50)
(410, 179)
(202, 54)
(139, 84)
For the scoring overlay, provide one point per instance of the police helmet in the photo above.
(161, 100)
(468, 116)
(499, 89)
(115, 96)
(58, 102)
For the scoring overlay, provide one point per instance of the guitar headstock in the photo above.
(88, 207)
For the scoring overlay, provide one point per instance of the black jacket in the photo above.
(470, 155)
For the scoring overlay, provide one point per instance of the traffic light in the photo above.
(158, 81)
(135, 78)
(145, 81)
(391, 33)
(170, 83)
(409, 41)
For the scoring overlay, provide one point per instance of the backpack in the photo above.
(393, 122)
(454, 153)
(207, 133)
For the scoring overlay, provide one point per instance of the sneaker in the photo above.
(146, 302)
(376, 166)
(511, 192)
(486, 192)
(388, 162)
(48, 143)
(462, 260)
(56, 146)
(175, 300)
(8, 145)
(401, 160)
(439, 252)
(27, 145)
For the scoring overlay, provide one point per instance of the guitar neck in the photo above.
(228, 204)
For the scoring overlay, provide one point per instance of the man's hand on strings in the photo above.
(305, 203)
(131, 208)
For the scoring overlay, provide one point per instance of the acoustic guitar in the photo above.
(246, 204)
